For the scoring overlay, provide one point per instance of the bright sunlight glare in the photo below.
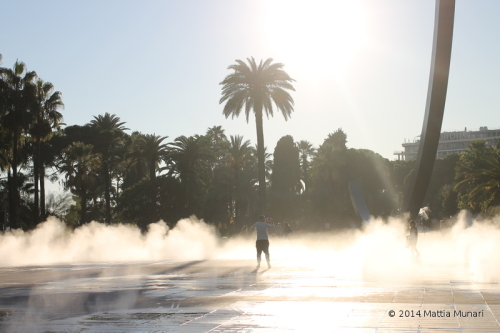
(316, 35)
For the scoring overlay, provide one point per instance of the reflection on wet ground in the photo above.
(230, 296)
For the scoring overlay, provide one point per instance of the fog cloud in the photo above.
(375, 252)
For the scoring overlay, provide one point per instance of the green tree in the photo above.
(285, 179)
(449, 201)
(216, 135)
(239, 154)
(373, 173)
(478, 172)
(219, 204)
(329, 179)
(18, 92)
(472, 162)
(439, 198)
(306, 151)
(79, 165)
(257, 87)
(191, 159)
(58, 205)
(46, 118)
(151, 149)
(399, 171)
(489, 180)
(110, 135)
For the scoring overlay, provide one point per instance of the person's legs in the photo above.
(414, 251)
(259, 247)
(266, 251)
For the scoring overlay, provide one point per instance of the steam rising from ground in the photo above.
(376, 252)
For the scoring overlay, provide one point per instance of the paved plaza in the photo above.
(230, 296)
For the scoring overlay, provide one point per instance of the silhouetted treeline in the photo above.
(116, 176)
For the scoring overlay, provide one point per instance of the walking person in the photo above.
(262, 243)
(412, 239)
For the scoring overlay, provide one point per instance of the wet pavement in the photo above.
(230, 296)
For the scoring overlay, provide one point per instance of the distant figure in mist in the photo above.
(288, 230)
(412, 239)
(262, 243)
(279, 230)
(244, 231)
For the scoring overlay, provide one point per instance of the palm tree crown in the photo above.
(191, 158)
(306, 150)
(257, 87)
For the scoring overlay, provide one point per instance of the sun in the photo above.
(316, 34)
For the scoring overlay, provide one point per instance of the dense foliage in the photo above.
(114, 176)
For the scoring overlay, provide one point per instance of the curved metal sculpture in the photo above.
(434, 109)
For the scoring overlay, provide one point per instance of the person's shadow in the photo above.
(256, 271)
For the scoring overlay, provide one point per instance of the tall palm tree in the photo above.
(110, 131)
(239, 153)
(46, 117)
(257, 87)
(306, 151)
(18, 90)
(192, 158)
(152, 150)
(79, 165)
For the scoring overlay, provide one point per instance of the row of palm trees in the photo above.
(29, 111)
(141, 178)
(189, 166)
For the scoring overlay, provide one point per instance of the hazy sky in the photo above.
(362, 65)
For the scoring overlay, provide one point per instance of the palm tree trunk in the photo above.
(305, 166)
(237, 204)
(187, 194)
(13, 195)
(107, 186)
(36, 171)
(261, 160)
(153, 190)
(83, 206)
(42, 190)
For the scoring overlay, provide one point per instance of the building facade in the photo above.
(450, 142)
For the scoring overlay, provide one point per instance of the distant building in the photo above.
(450, 142)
